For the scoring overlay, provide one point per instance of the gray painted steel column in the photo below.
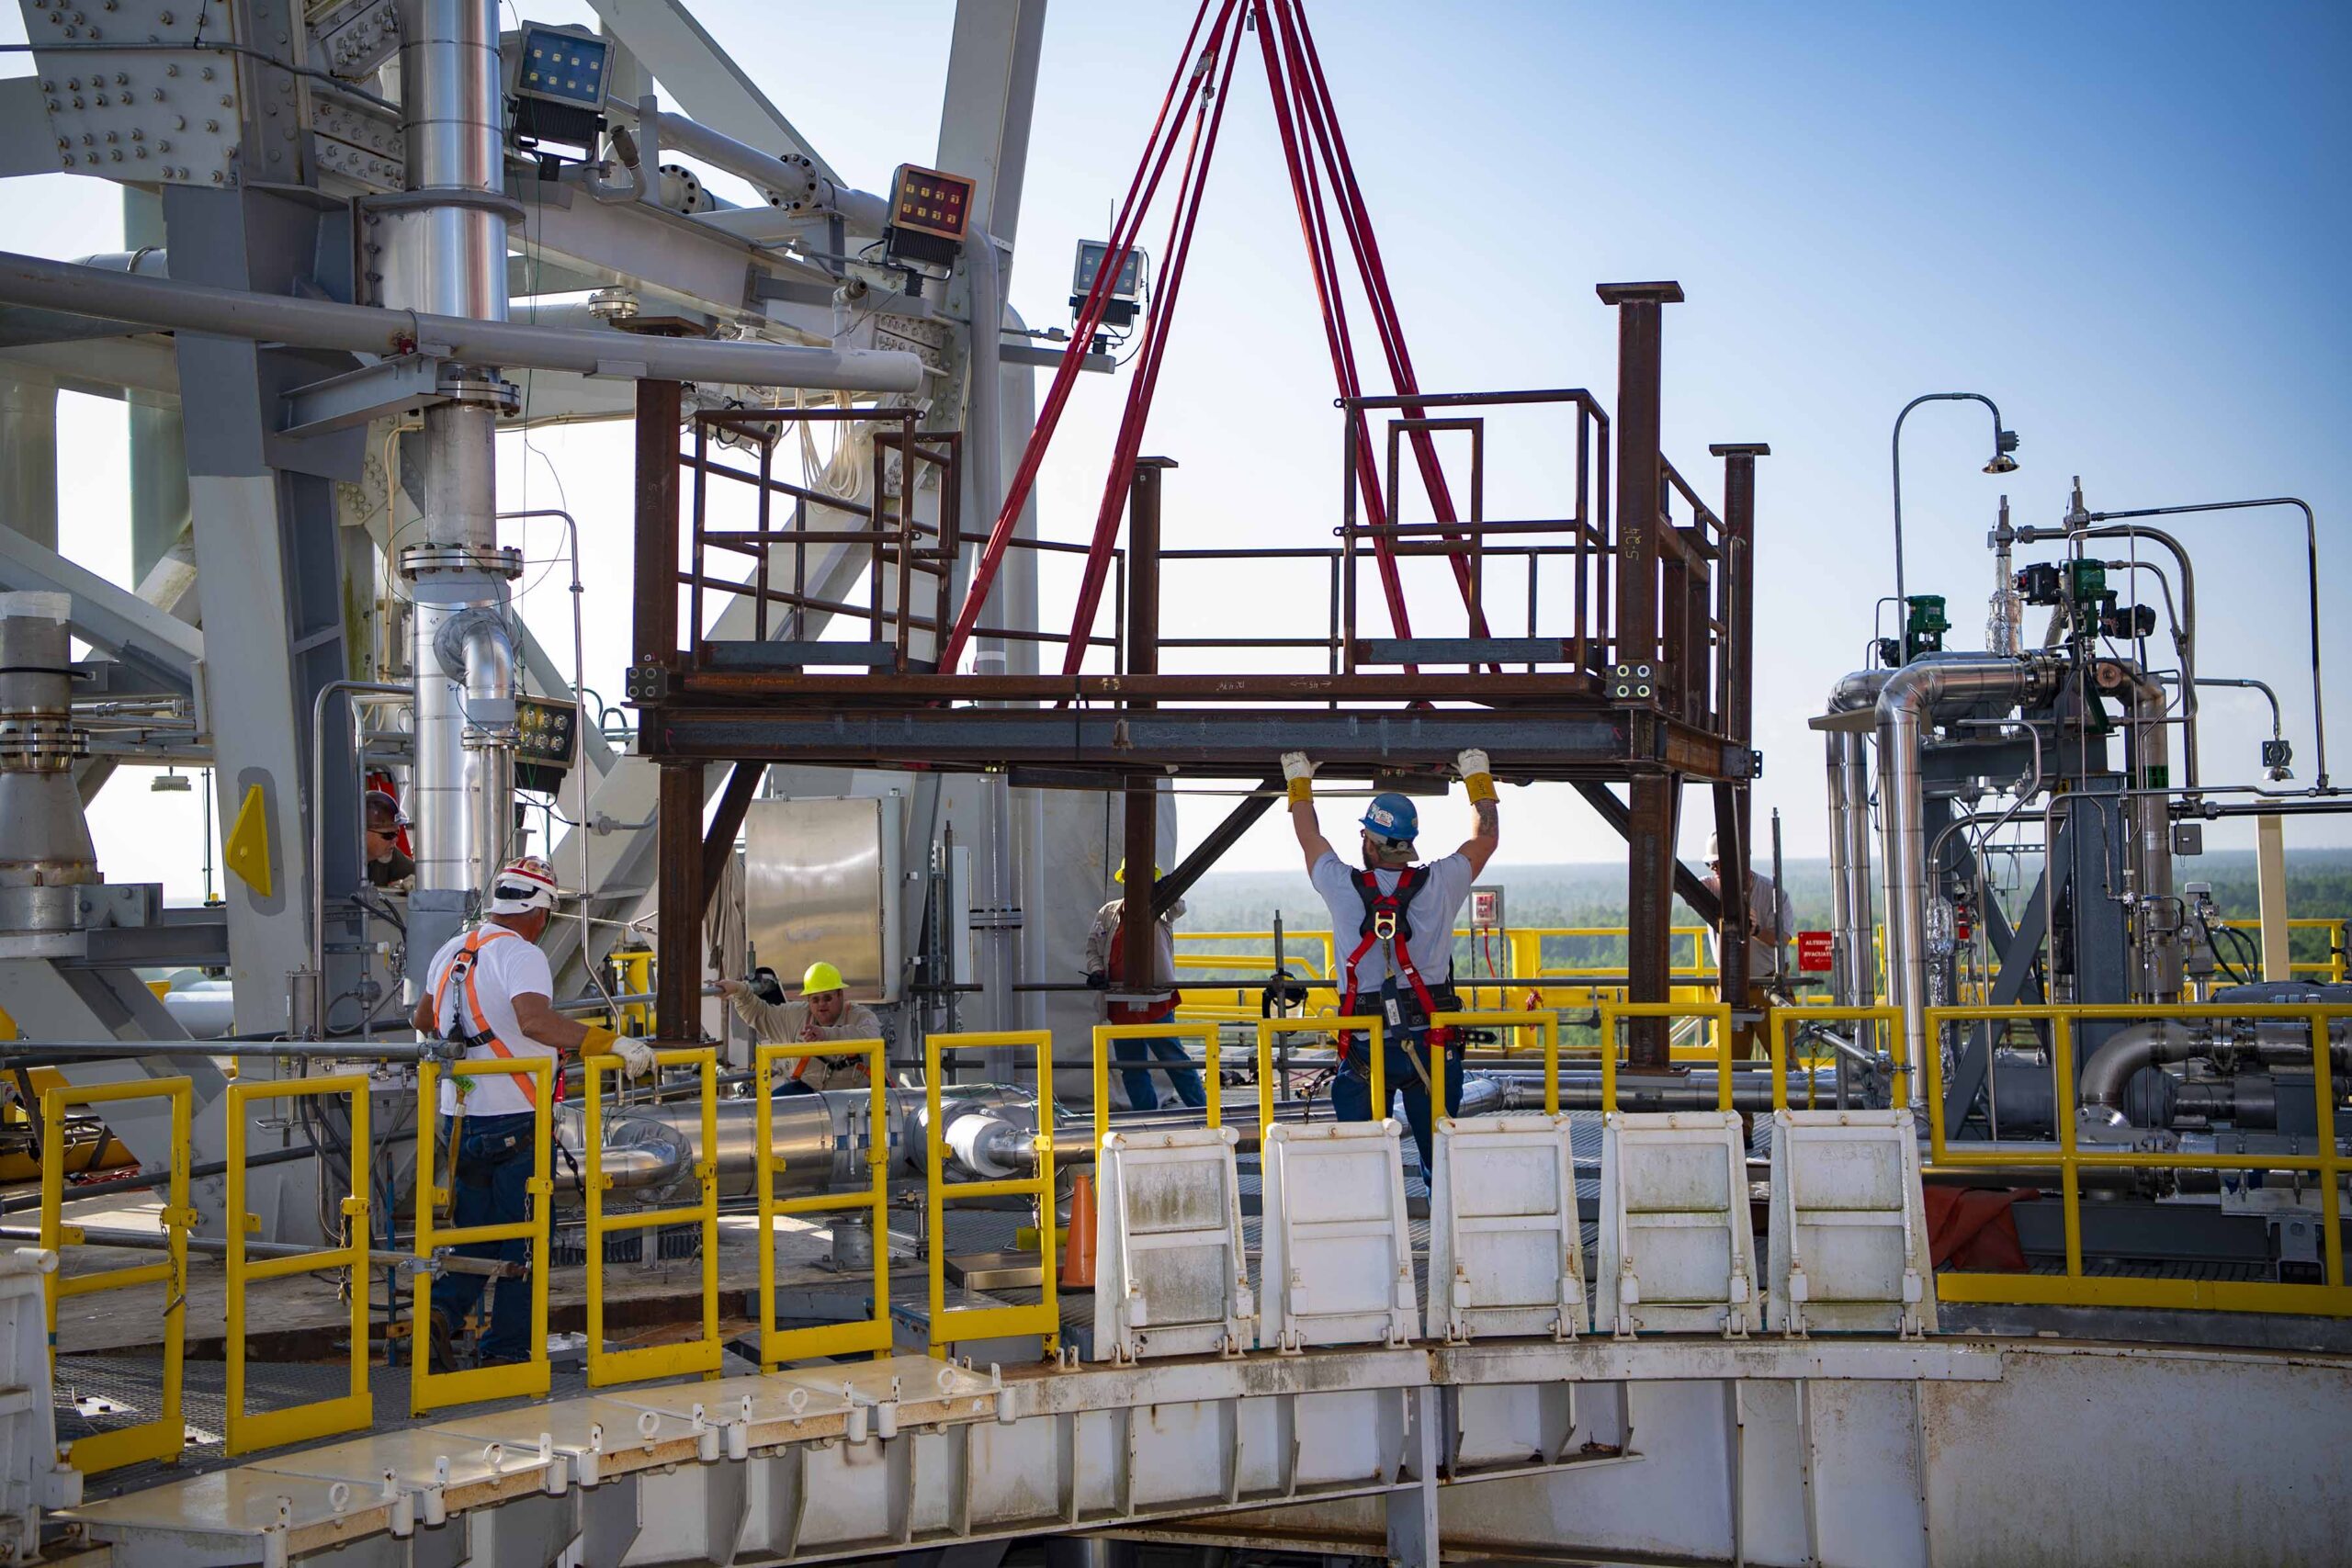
(28, 452)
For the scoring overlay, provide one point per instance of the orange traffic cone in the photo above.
(1077, 1258)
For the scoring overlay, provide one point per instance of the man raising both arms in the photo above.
(1398, 965)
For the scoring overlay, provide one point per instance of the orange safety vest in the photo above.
(461, 965)
(1116, 969)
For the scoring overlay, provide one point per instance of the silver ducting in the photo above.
(462, 787)
(2269, 1042)
(443, 247)
(820, 1142)
(1854, 969)
(1906, 705)
(46, 855)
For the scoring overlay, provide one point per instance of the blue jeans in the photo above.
(1185, 1082)
(489, 1187)
(1352, 1090)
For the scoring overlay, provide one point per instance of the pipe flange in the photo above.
(483, 389)
(31, 745)
(419, 561)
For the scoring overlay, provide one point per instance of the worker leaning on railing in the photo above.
(490, 991)
(823, 1012)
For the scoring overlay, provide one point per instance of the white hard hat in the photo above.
(523, 886)
(1713, 853)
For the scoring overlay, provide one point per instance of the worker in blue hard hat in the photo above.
(1146, 998)
(1399, 966)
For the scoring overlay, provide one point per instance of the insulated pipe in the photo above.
(1853, 978)
(2276, 1042)
(172, 305)
(453, 252)
(2099, 1090)
(1906, 705)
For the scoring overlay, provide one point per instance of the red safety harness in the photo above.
(1387, 921)
(480, 1037)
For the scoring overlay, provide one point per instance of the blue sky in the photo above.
(2126, 223)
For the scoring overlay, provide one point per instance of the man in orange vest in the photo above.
(490, 990)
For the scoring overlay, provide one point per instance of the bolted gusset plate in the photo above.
(170, 115)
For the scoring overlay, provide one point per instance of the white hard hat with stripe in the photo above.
(523, 886)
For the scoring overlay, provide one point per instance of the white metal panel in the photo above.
(1848, 1238)
(820, 882)
(30, 1477)
(1338, 1255)
(1174, 1277)
(1506, 1247)
(1677, 1244)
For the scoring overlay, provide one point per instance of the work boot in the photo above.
(443, 1347)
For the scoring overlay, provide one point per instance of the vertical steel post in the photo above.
(1138, 953)
(1649, 862)
(1737, 704)
(659, 408)
(1640, 332)
(677, 969)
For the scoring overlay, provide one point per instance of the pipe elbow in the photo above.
(488, 654)
(2112, 1066)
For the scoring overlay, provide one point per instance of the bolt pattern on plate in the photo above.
(166, 115)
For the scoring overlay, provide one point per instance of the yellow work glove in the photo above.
(1478, 775)
(1300, 774)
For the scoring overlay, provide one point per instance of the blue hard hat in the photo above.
(1392, 817)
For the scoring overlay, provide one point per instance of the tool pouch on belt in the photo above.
(1401, 1009)
(479, 1154)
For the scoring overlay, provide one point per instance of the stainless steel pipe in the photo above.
(1906, 705)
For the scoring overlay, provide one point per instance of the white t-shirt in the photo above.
(1430, 915)
(505, 966)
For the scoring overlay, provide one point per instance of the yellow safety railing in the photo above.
(1269, 1027)
(429, 1389)
(634, 966)
(1546, 1023)
(164, 1437)
(870, 1334)
(1044, 1319)
(1207, 1033)
(2331, 1298)
(1314, 948)
(701, 1355)
(1613, 1012)
(1782, 1021)
(355, 1409)
(2331, 967)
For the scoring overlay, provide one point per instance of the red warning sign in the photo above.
(1816, 953)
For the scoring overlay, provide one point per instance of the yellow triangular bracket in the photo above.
(246, 849)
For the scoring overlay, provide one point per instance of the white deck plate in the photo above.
(1677, 1244)
(1847, 1245)
(1337, 1265)
(1172, 1273)
(1506, 1245)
